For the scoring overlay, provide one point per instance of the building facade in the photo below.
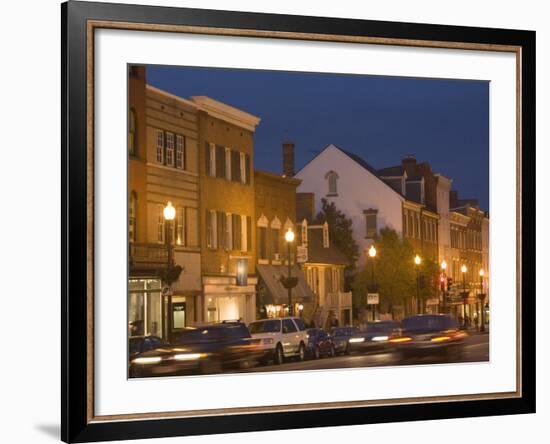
(334, 174)
(227, 213)
(276, 214)
(162, 168)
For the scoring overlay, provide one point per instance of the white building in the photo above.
(356, 190)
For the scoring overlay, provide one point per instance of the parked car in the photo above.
(436, 334)
(204, 349)
(319, 344)
(140, 344)
(280, 338)
(340, 338)
(374, 336)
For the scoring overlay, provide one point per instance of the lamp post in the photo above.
(442, 286)
(372, 255)
(169, 214)
(289, 238)
(464, 269)
(417, 262)
(481, 297)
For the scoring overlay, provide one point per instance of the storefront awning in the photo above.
(277, 293)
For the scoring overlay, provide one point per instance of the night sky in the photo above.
(382, 119)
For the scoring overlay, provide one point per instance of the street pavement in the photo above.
(476, 349)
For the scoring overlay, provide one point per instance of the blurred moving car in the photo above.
(205, 349)
(140, 344)
(319, 344)
(434, 334)
(374, 336)
(340, 338)
(280, 338)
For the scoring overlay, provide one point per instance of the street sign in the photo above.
(301, 254)
(372, 298)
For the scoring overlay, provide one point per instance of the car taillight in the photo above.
(401, 339)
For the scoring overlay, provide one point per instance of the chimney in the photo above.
(453, 199)
(288, 158)
(409, 164)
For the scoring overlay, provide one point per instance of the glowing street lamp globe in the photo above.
(443, 265)
(464, 269)
(289, 235)
(169, 211)
(481, 273)
(417, 260)
(372, 251)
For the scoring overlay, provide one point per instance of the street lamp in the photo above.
(417, 262)
(444, 275)
(289, 238)
(372, 255)
(464, 269)
(169, 215)
(481, 297)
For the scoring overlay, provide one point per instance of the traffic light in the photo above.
(449, 284)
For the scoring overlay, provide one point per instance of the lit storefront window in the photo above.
(144, 307)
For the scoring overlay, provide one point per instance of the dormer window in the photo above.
(332, 182)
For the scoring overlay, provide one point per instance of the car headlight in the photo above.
(147, 360)
(355, 340)
(267, 341)
(189, 356)
(379, 338)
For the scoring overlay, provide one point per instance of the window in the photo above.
(170, 149)
(235, 166)
(410, 226)
(289, 326)
(371, 223)
(211, 226)
(160, 146)
(332, 179)
(220, 161)
(228, 164)
(262, 241)
(132, 131)
(220, 223)
(417, 226)
(237, 231)
(180, 152)
(243, 167)
(160, 223)
(246, 239)
(275, 238)
(132, 206)
(180, 226)
(228, 231)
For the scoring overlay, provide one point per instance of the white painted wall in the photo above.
(358, 190)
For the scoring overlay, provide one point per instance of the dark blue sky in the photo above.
(445, 122)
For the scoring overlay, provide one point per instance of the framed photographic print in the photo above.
(276, 221)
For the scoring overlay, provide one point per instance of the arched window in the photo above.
(132, 131)
(132, 209)
(332, 179)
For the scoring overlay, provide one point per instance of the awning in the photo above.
(276, 292)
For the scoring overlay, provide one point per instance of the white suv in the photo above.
(280, 338)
